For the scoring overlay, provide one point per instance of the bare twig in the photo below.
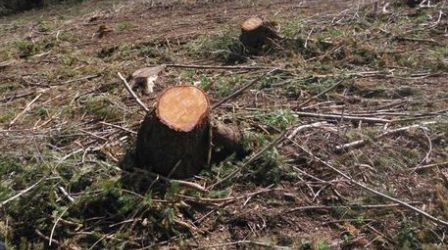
(66, 194)
(257, 155)
(353, 206)
(54, 226)
(351, 118)
(45, 237)
(80, 79)
(359, 143)
(129, 89)
(227, 200)
(180, 182)
(243, 242)
(319, 95)
(242, 67)
(427, 158)
(306, 126)
(242, 89)
(16, 96)
(371, 190)
(28, 106)
(119, 127)
(434, 165)
(26, 190)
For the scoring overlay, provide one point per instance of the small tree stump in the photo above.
(255, 33)
(174, 139)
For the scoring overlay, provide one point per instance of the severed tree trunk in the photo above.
(174, 139)
(255, 33)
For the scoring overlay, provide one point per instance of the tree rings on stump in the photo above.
(255, 33)
(251, 24)
(174, 139)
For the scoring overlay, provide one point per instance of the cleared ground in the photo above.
(348, 73)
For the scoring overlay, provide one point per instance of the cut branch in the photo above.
(371, 190)
(196, 66)
(242, 89)
(23, 192)
(342, 116)
(129, 89)
(362, 142)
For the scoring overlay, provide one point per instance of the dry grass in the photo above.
(65, 159)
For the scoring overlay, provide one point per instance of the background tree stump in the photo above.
(174, 139)
(255, 33)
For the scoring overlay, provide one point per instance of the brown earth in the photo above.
(73, 145)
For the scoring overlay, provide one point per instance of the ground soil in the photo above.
(68, 127)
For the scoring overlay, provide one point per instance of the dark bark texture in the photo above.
(171, 153)
(255, 39)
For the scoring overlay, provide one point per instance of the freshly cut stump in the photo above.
(255, 33)
(174, 139)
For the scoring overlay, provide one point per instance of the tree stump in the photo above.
(255, 33)
(174, 139)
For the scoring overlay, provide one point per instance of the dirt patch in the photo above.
(359, 90)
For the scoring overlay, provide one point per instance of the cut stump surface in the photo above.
(251, 24)
(174, 139)
(255, 33)
(182, 108)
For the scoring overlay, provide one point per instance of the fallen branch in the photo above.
(319, 95)
(28, 106)
(362, 142)
(26, 190)
(371, 190)
(353, 206)
(16, 96)
(434, 165)
(129, 89)
(225, 200)
(242, 89)
(88, 77)
(168, 180)
(242, 242)
(273, 144)
(342, 116)
(257, 155)
(195, 66)
(119, 127)
(306, 126)
(54, 226)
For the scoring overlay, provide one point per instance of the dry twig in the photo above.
(344, 117)
(371, 190)
(28, 106)
(429, 166)
(26, 190)
(242, 67)
(242, 89)
(359, 143)
(129, 89)
(319, 95)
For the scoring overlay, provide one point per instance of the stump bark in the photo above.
(174, 139)
(255, 33)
